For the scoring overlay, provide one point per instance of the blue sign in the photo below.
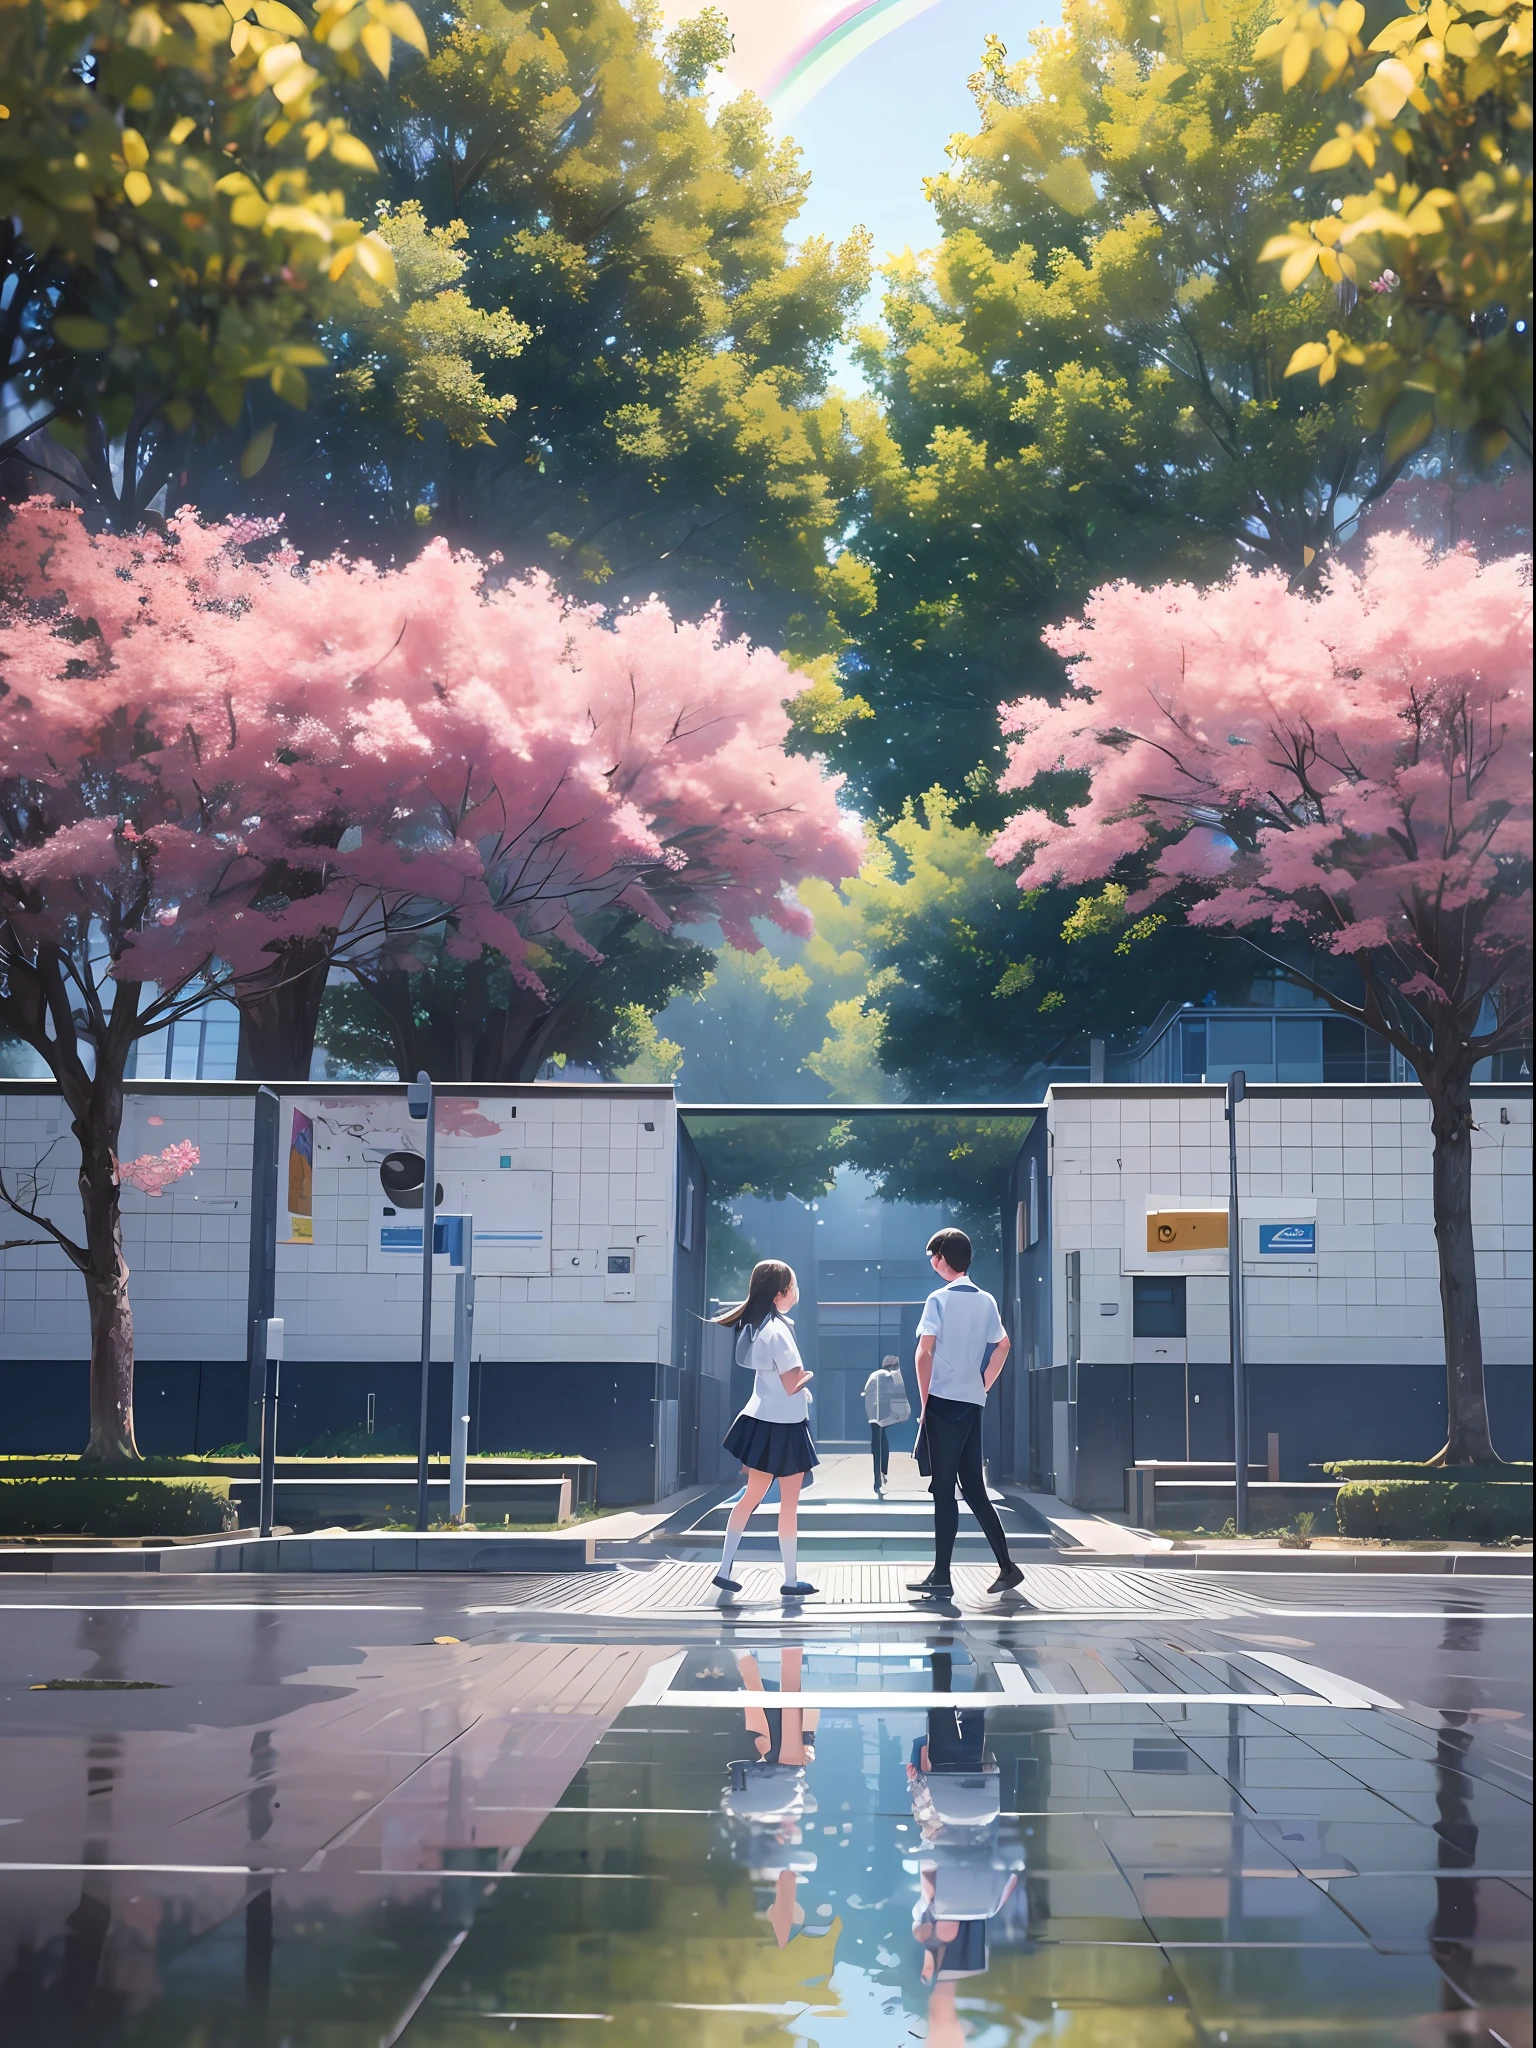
(1298, 1240)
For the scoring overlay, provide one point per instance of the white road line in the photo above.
(533, 1876)
(156, 1869)
(916, 1702)
(1339, 1692)
(202, 1607)
(755, 1613)
(653, 1686)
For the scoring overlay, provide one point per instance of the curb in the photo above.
(1422, 1564)
(431, 1551)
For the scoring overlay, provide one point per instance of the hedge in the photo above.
(1415, 1468)
(96, 1505)
(1435, 1510)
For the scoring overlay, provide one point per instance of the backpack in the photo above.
(901, 1407)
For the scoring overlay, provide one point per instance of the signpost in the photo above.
(456, 1238)
(274, 1351)
(261, 1284)
(1237, 1088)
(421, 1104)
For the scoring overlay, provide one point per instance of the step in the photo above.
(896, 1549)
(867, 1518)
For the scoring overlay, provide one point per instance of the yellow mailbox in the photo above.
(1187, 1230)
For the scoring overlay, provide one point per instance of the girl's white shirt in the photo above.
(769, 1352)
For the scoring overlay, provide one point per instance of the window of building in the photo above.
(1240, 1043)
(202, 1047)
(1298, 1048)
(1192, 1067)
(1351, 1053)
(1157, 1307)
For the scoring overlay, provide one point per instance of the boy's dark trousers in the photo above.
(880, 1452)
(954, 1445)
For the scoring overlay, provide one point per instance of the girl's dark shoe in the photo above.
(1009, 1577)
(726, 1585)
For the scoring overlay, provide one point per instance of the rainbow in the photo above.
(813, 62)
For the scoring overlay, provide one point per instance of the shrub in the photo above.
(1435, 1510)
(96, 1504)
(1415, 1468)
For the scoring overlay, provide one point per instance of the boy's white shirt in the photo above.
(963, 1321)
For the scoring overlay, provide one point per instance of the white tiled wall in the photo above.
(1361, 1156)
(188, 1249)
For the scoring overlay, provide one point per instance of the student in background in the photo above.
(885, 1403)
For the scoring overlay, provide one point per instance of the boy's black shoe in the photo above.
(929, 1585)
(1009, 1577)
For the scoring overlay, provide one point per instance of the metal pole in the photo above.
(1237, 1088)
(274, 1351)
(463, 1334)
(422, 1104)
(261, 1284)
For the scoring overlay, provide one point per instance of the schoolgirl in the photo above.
(771, 1436)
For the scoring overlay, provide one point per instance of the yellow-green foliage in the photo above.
(178, 182)
(1431, 209)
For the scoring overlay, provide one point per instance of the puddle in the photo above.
(861, 1843)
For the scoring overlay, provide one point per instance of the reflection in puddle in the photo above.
(786, 1861)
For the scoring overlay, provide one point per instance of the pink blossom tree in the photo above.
(680, 740)
(222, 768)
(1352, 767)
(149, 782)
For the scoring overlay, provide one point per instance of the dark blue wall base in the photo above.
(604, 1412)
(1320, 1412)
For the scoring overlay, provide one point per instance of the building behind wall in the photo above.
(589, 1282)
(1124, 1350)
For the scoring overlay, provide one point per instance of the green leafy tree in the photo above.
(931, 978)
(174, 224)
(470, 1021)
(974, 984)
(962, 1162)
(764, 1026)
(1433, 211)
(666, 425)
(417, 354)
(1087, 378)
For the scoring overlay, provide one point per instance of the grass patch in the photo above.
(98, 1685)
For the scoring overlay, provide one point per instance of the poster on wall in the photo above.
(510, 1214)
(301, 1180)
(341, 1148)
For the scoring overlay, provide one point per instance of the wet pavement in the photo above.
(354, 1814)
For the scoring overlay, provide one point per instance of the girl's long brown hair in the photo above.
(770, 1279)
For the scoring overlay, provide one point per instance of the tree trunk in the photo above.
(105, 1274)
(1468, 1441)
(278, 1023)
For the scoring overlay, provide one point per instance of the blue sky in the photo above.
(878, 128)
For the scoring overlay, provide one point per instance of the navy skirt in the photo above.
(776, 1447)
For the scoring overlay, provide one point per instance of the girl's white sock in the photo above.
(787, 1547)
(732, 1538)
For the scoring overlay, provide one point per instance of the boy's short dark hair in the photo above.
(953, 1247)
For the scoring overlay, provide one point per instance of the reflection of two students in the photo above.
(963, 1877)
(769, 1796)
